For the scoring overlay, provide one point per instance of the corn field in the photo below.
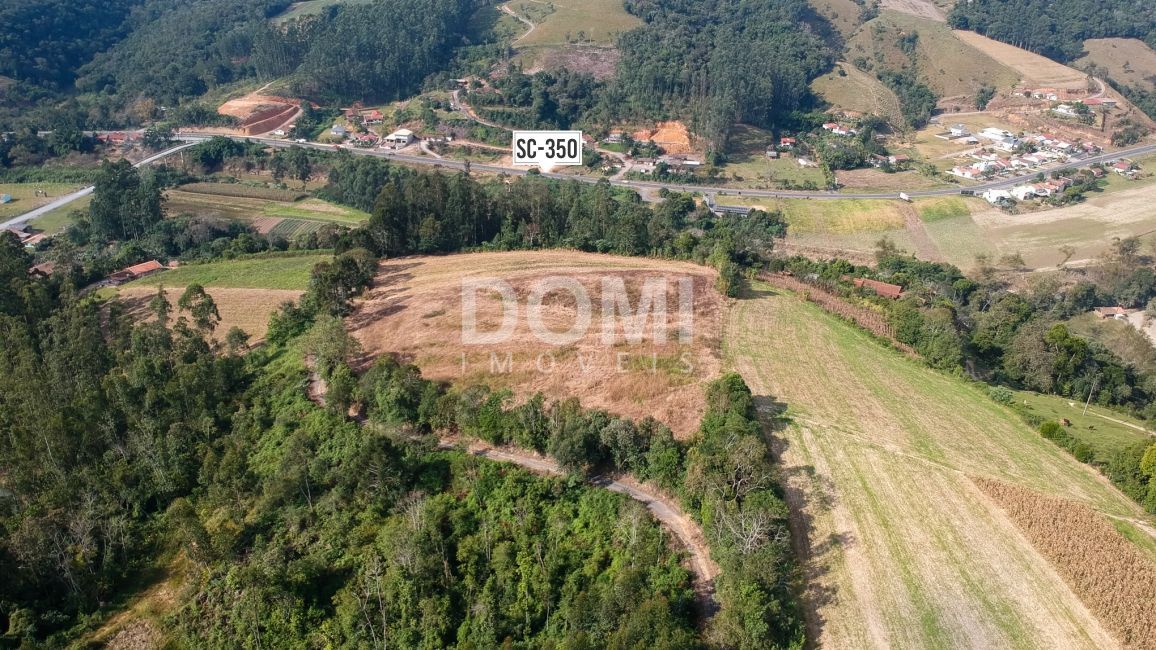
(868, 319)
(1112, 577)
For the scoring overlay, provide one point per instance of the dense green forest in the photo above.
(1056, 29)
(44, 41)
(723, 61)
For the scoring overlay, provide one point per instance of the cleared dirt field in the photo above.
(858, 92)
(1034, 70)
(415, 310)
(901, 548)
(248, 309)
(1128, 60)
(674, 137)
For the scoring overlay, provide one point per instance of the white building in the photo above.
(994, 197)
(1023, 192)
(400, 137)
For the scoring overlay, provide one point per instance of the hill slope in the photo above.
(904, 550)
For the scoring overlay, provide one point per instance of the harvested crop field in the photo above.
(899, 547)
(251, 208)
(415, 310)
(1108, 572)
(248, 309)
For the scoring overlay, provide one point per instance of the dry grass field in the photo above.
(250, 209)
(24, 196)
(901, 549)
(1128, 60)
(843, 14)
(1034, 70)
(858, 92)
(559, 22)
(415, 310)
(248, 309)
(952, 67)
(1124, 211)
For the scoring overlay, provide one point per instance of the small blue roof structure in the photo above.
(5, 198)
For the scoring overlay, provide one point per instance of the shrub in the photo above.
(1001, 395)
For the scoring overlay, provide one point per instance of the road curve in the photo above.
(79, 194)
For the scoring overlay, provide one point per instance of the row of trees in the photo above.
(425, 212)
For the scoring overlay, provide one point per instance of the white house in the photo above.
(994, 197)
(1065, 110)
(959, 131)
(400, 137)
(1023, 192)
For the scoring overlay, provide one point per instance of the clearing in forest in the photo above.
(901, 548)
(248, 309)
(856, 91)
(415, 310)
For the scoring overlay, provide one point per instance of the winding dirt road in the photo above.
(663, 508)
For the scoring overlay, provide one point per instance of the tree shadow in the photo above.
(807, 494)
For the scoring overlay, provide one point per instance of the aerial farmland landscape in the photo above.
(578, 324)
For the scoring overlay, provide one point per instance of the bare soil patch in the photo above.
(415, 310)
(595, 60)
(674, 137)
(248, 309)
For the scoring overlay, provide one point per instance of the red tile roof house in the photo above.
(882, 289)
(135, 272)
(1112, 312)
(787, 143)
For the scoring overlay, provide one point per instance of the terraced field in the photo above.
(881, 456)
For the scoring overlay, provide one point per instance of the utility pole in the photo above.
(1093, 390)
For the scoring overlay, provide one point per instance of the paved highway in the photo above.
(79, 194)
(189, 140)
(706, 189)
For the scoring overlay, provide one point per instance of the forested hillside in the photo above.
(179, 49)
(45, 41)
(726, 61)
(1056, 29)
